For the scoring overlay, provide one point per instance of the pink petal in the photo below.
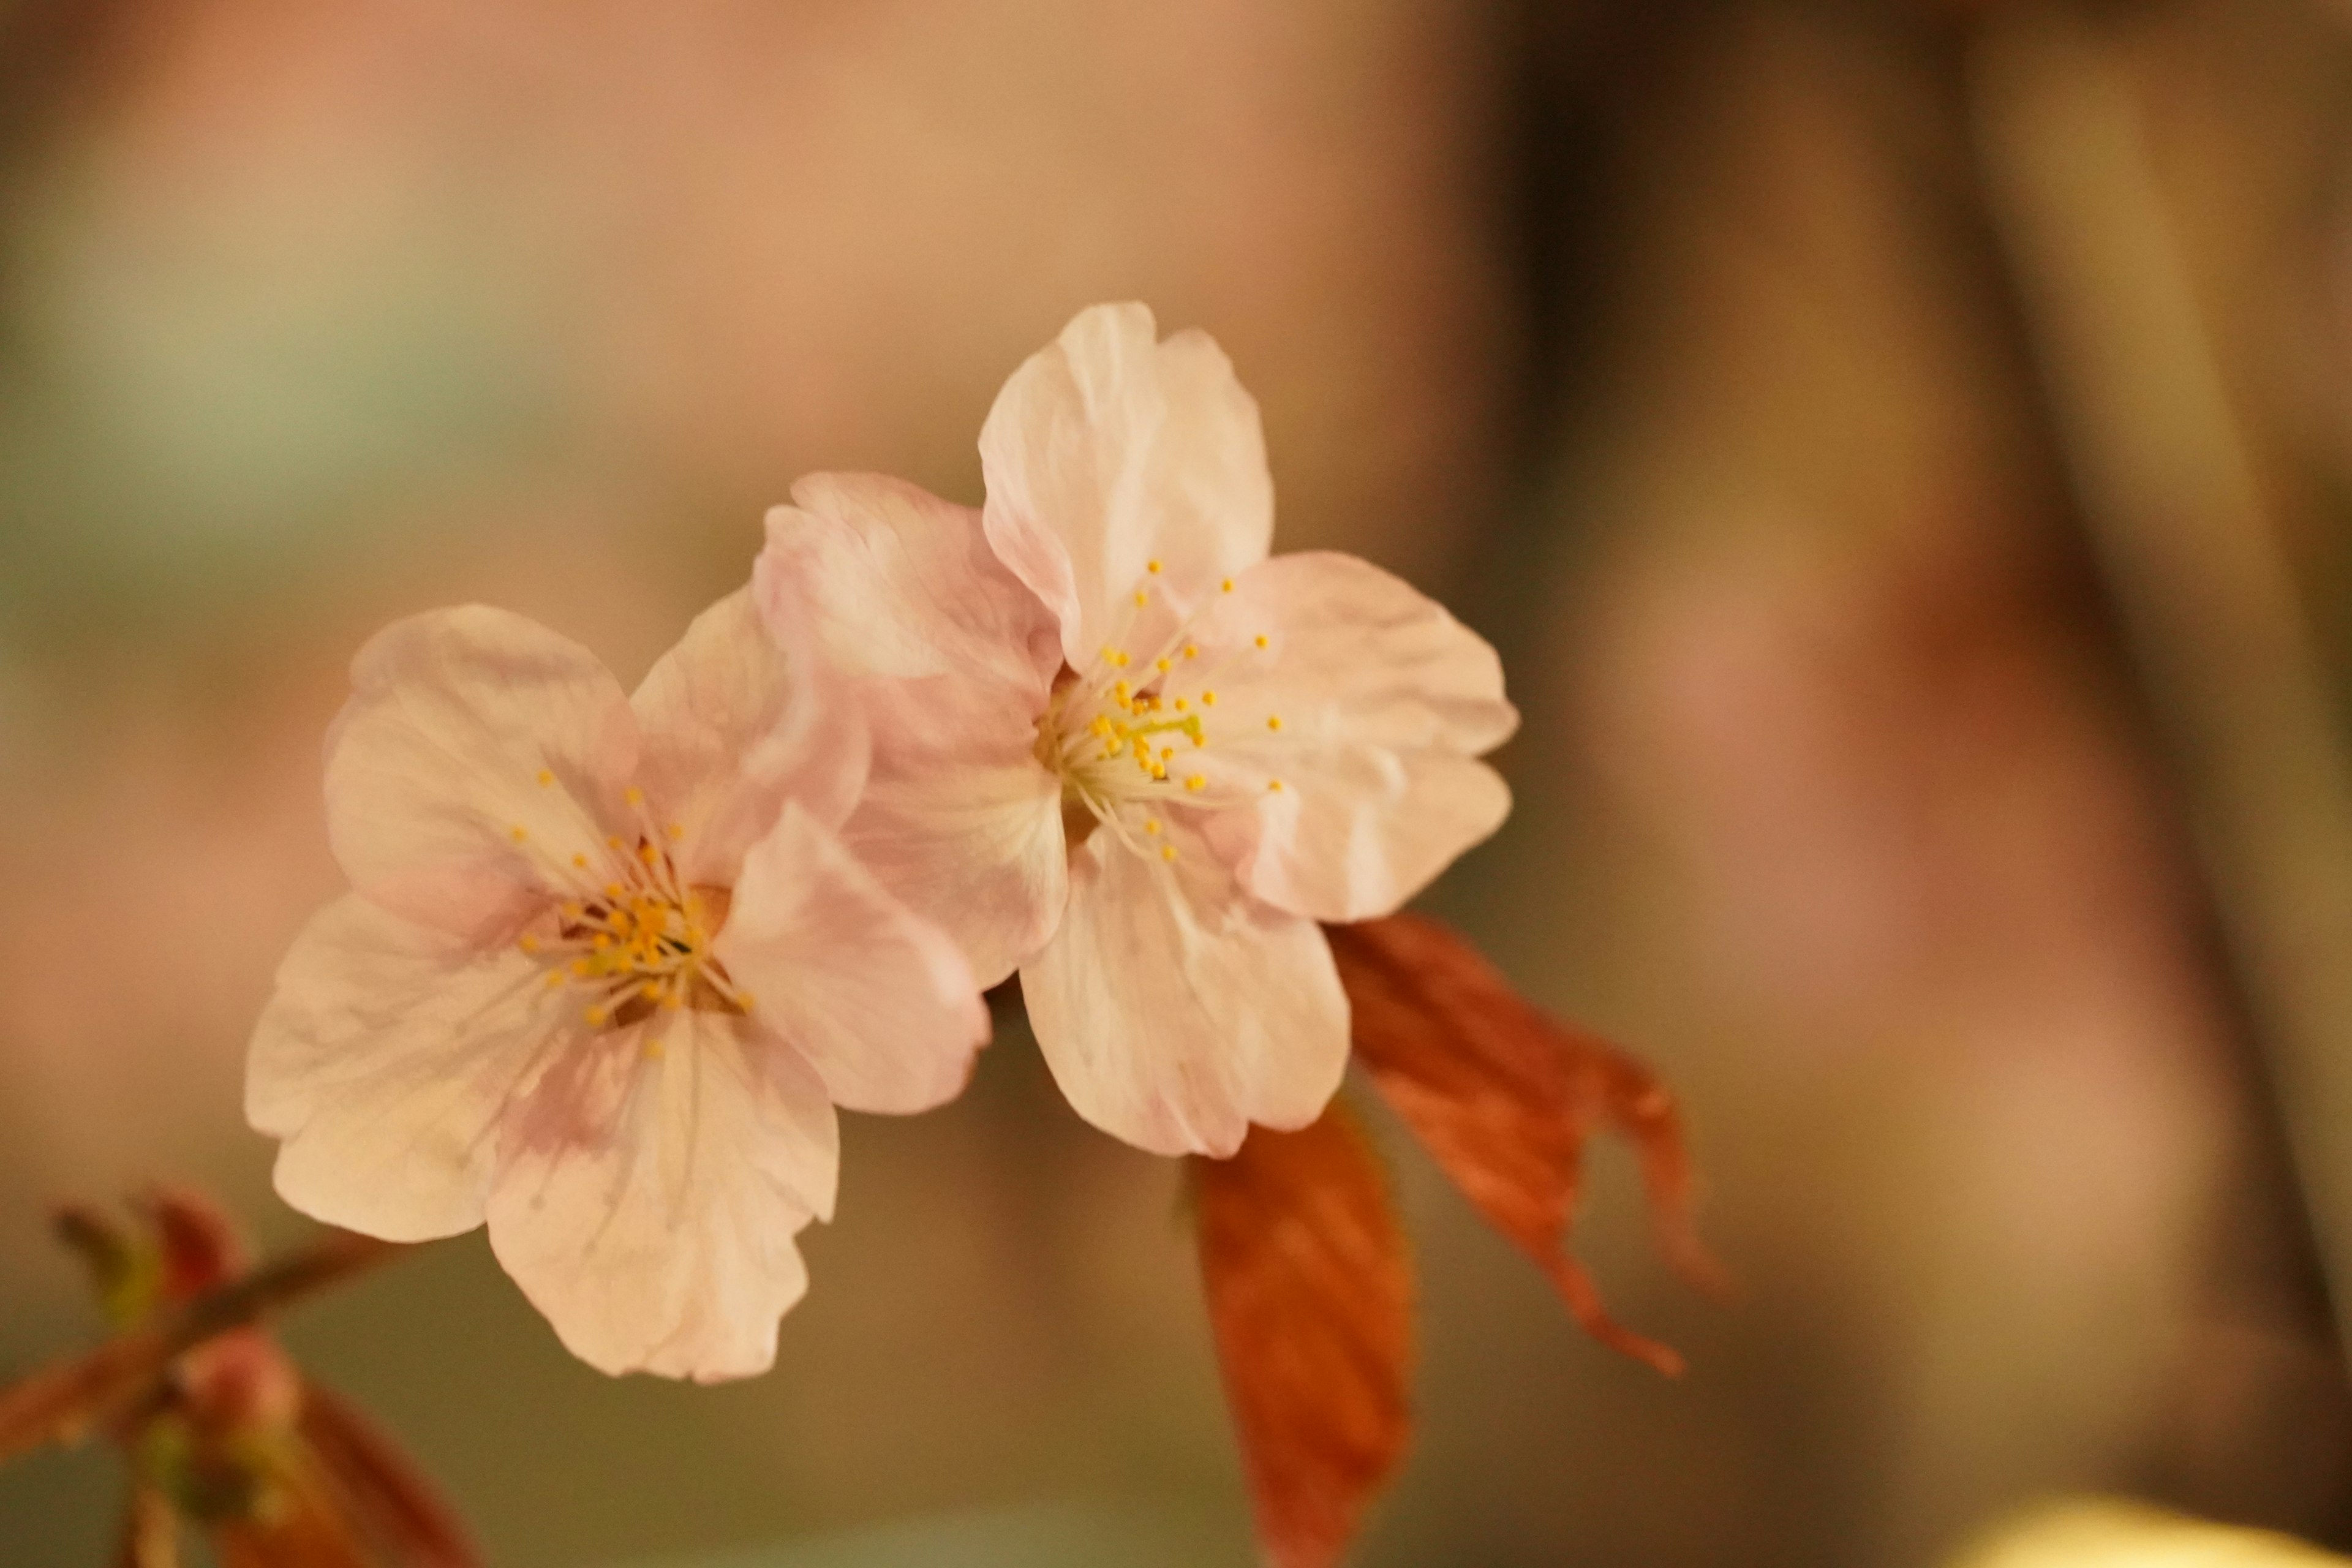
(476, 744)
(1175, 1010)
(953, 660)
(734, 725)
(385, 1060)
(978, 850)
(879, 1002)
(647, 1204)
(1382, 700)
(901, 588)
(1106, 452)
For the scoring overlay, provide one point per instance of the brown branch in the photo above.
(64, 1402)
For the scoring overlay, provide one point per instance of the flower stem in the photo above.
(65, 1401)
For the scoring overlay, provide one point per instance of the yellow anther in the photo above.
(613, 889)
(594, 1015)
(649, 854)
(1122, 690)
(579, 862)
(529, 944)
(1226, 586)
(1161, 665)
(676, 830)
(1141, 598)
(1166, 753)
(652, 989)
(545, 778)
(1150, 825)
(1158, 771)
(746, 998)
(1192, 651)
(1274, 722)
(1196, 781)
(554, 979)
(573, 912)
(1260, 639)
(1198, 738)
(1101, 726)
(653, 1050)
(1208, 700)
(1180, 705)
(612, 841)
(1168, 851)
(1119, 661)
(634, 795)
(674, 1000)
(517, 833)
(1274, 784)
(1152, 567)
(583, 968)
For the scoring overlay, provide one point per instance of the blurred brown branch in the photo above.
(2189, 544)
(64, 1402)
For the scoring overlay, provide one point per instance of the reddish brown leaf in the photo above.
(1505, 1097)
(1310, 1292)
(64, 1402)
(381, 1488)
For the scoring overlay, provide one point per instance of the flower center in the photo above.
(637, 941)
(1126, 735)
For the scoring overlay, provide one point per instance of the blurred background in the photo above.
(1902, 449)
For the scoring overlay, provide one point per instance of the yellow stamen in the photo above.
(1152, 567)
(545, 778)
(1141, 598)
(1208, 700)
(634, 795)
(1227, 586)
(516, 834)
(1274, 722)
(1196, 783)
(1274, 784)
(653, 1050)
(1150, 825)
(1168, 851)
(1260, 639)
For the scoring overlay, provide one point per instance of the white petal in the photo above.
(1174, 1010)
(477, 750)
(647, 1206)
(1106, 452)
(1382, 700)
(735, 724)
(879, 1002)
(385, 1060)
(953, 660)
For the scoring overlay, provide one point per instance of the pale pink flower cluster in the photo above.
(610, 963)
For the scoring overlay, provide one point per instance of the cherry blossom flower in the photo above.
(1119, 747)
(604, 972)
